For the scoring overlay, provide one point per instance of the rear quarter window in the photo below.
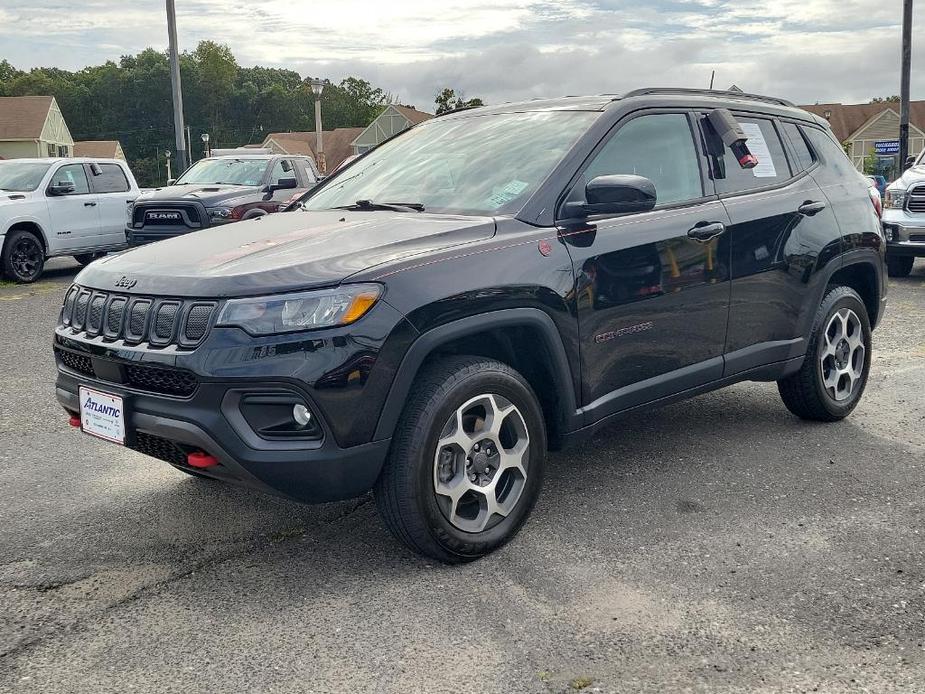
(764, 143)
(111, 180)
(837, 164)
(804, 158)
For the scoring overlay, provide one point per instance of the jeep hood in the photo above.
(281, 252)
(208, 194)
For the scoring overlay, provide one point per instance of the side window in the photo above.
(282, 169)
(659, 147)
(765, 144)
(111, 180)
(73, 173)
(308, 175)
(804, 157)
(836, 161)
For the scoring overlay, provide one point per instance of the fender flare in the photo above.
(24, 220)
(254, 213)
(875, 260)
(427, 343)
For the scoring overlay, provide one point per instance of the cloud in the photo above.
(501, 50)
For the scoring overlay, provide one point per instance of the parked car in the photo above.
(879, 182)
(219, 190)
(904, 219)
(54, 207)
(483, 287)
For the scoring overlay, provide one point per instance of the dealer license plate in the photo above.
(102, 415)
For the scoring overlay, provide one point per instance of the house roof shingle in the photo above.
(413, 114)
(338, 144)
(23, 117)
(846, 119)
(99, 149)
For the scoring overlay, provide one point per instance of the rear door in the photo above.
(782, 228)
(75, 218)
(113, 195)
(652, 298)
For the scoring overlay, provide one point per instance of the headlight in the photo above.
(219, 213)
(895, 199)
(129, 210)
(284, 313)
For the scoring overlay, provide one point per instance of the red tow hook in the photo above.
(199, 459)
(74, 421)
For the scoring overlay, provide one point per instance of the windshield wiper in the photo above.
(392, 206)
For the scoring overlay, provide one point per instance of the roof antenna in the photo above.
(712, 77)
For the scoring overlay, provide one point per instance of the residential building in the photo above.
(32, 126)
(391, 121)
(99, 149)
(873, 130)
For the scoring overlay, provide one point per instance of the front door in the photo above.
(652, 289)
(75, 218)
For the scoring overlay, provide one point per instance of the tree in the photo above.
(871, 164)
(885, 100)
(447, 100)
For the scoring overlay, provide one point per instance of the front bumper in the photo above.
(905, 233)
(140, 237)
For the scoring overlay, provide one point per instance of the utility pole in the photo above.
(182, 160)
(317, 87)
(904, 85)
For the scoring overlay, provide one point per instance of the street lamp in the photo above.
(317, 87)
(205, 143)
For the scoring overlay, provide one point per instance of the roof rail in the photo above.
(709, 92)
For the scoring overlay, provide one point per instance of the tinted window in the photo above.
(836, 161)
(765, 144)
(72, 173)
(658, 147)
(227, 171)
(111, 180)
(804, 157)
(305, 169)
(282, 169)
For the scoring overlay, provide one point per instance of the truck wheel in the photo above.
(23, 256)
(466, 462)
(87, 258)
(831, 381)
(899, 266)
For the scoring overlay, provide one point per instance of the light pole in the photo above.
(167, 157)
(205, 143)
(904, 85)
(175, 85)
(317, 88)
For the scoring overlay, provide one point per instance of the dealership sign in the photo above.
(887, 147)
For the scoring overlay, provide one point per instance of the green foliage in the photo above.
(885, 100)
(130, 101)
(447, 101)
(871, 164)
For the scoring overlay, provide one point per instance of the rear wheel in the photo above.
(23, 256)
(834, 374)
(466, 463)
(899, 266)
(87, 258)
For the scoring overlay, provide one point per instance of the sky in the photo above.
(502, 50)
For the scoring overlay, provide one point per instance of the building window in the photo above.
(62, 150)
(52, 151)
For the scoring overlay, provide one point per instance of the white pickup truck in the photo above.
(53, 207)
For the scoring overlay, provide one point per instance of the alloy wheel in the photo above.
(481, 463)
(843, 355)
(26, 257)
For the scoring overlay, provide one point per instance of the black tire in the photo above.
(899, 265)
(23, 256)
(87, 258)
(804, 392)
(405, 493)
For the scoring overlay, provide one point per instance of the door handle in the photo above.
(89, 204)
(706, 231)
(809, 208)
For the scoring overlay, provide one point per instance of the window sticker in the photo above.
(759, 147)
(507, 193)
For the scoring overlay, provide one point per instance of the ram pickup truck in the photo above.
(904, 219)
(219, 190)
(484, 287)
(54, 207)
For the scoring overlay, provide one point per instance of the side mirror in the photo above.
(171, 181)
(283, 184)
(617, 194)
(910, 162)
(61, 188)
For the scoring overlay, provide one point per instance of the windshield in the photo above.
(235, 172)
(478, 165)
(20, 176)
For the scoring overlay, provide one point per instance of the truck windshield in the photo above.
(21, 176)
(234, 172)
(468, 164)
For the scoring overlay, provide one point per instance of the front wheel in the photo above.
(466, 463)
(899, 266)
(834, 374)
(23, 256)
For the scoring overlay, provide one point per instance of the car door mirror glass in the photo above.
(615, 194)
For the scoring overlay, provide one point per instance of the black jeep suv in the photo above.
(219, 190)
(481, 288)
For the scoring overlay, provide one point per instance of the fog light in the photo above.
(301, 415)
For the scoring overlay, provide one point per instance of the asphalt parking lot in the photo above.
(719, 544)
